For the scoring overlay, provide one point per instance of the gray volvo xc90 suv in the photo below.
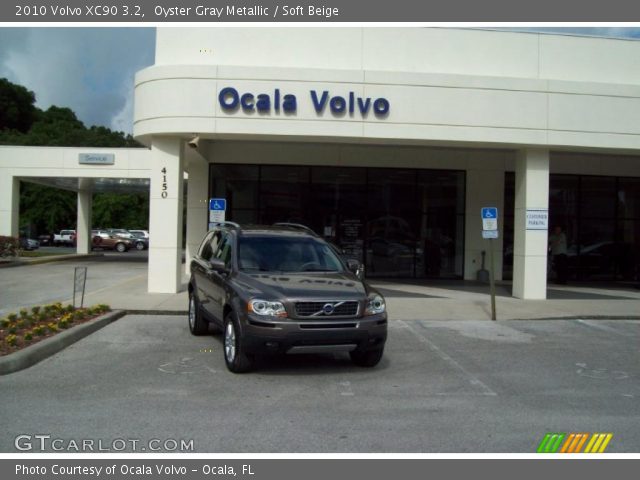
(281, 289)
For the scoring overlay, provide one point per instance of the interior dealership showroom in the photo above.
(387, 141)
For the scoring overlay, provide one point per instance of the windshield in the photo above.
(286, 254)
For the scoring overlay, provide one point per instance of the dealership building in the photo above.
(387, 141)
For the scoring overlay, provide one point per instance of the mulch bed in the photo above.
(27, 327)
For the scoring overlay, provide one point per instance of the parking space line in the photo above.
(473, 380)
(598, 326)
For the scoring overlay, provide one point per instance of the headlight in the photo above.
(375, 305)
(264, 307)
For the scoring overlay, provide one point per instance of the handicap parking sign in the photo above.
(489, 212)
(489, 218)
(219, 204)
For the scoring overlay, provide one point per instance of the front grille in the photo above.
(327, 309)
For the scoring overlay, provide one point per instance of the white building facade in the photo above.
(389, 141)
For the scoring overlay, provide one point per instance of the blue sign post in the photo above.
(490, 230)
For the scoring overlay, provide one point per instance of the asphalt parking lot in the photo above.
(443, 386)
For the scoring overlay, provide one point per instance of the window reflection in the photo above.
(398, 222)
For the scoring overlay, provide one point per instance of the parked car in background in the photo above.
(45, 240)
(120, 232)
(65, 237)
(111, 242)
(139, 241)
(140, 233)
(29, 243)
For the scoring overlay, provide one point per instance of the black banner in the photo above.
(315, 469)
(326, 11)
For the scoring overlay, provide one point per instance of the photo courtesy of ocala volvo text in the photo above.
(282, 289)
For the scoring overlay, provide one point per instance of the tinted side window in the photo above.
(225, 250)
(209, 245)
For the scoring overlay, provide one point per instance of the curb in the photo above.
(36, 353)
(51, 259)
(155, 312)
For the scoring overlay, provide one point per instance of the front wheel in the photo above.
(139, 246)
(234, 355)
(121, 247)
(368, 358)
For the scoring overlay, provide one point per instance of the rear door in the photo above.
(200, 269)
(217, 280)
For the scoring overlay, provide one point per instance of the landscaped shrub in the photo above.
(20, 331)
(9, 247)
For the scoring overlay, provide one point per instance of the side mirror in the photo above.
(355, 267)
(217, 265)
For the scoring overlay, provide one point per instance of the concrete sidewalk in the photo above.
(121, 282)
(410, 300)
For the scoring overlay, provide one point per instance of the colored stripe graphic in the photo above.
(573, 442)
(551, 442)
(598, 443)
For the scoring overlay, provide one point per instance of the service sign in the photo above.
(96, 158)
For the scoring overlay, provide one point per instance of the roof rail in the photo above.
(227, 224)
(298, 226)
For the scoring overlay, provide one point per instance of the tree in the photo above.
(17, 109)
(49, 209)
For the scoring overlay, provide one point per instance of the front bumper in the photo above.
(273, 335)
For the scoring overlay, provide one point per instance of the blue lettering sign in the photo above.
(230, 99)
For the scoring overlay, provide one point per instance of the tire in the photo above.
(197, 324)
(121, 247)
(139, 246)
(368, 358)
(234, 355)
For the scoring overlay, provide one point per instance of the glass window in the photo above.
(597, 197)
(286, 254)
(237, 183)
(224, 250)
(386, 218)
(391, 191)
(205, 252)
(284, 194)
(210, 245)
(629, 198)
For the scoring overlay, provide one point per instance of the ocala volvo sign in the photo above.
(231, 100)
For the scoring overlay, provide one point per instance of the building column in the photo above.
(83, 228)
(485, 188)
(9, 204)
(165, 215)
(197, 203)
(530, 246)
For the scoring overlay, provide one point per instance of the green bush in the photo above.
(5, 322)
(13, 329)
(24, 313)
(53, 327)
(35, 310)
(28, 337)
(12, 317)
(39, 330)
(9, 246)
(11, 340)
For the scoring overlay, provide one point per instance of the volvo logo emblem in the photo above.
(328, 308)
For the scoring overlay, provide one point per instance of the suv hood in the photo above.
(323, 286)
